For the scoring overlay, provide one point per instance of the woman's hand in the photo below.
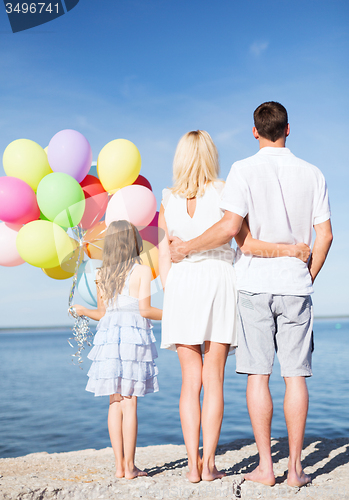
(302, 251)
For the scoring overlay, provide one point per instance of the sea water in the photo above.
(44, 405)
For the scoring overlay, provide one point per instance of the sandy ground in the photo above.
(89, 474)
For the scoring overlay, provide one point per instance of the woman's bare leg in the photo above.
(189, 405)
(213, 406)
(115, 433)
(129, 433)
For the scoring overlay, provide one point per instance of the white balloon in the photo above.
(9, 255)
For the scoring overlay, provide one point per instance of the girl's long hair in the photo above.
(122, 248)
(195, 164)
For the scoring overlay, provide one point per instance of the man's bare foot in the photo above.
(294, 479)
(259, 476)
(135, 472)
(211, 475)
(119, 473)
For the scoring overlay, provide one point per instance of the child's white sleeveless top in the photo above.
(124, 350)
(200, 292)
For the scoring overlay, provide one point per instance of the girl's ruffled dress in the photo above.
(124, 350)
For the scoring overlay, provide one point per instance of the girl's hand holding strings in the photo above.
(79, 310)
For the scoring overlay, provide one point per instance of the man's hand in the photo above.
(177, 249)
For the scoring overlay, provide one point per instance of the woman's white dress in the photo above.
(200, 292)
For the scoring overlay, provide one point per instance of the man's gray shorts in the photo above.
(269, 323)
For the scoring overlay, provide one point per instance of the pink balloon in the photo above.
(70, 152)
(134, 203)
(151, 232)
(9, 255)
(18, 203)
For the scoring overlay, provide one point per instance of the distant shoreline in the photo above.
(18, 329)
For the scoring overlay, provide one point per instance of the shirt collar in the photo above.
(274, 151)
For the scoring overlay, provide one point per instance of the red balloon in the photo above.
(142, 181)
(96, 201)
(150, 232)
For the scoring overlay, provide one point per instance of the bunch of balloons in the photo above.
(52, 208)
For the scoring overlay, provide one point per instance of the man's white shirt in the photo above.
(283, 197)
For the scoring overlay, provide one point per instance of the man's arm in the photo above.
(218, 234)
(322, 244)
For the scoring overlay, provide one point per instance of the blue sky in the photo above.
(149, 71)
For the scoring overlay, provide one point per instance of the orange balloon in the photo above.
(94, 241)
(150, 257)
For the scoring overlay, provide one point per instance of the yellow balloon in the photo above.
(43, 243)
(68, 266)
(57, 273)
(118, 164)
(150, 257)
(26, 160)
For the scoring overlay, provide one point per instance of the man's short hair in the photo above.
(270, 120)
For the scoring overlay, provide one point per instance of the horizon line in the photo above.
(65, 327)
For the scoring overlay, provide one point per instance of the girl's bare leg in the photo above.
(213, 406)
(189, 405)
(129, 433)
(115, 433)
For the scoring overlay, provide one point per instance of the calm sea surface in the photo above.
(44, 405)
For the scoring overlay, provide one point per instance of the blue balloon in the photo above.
(86, 281)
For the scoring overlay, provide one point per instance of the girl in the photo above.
(200, 295)
(124, 346)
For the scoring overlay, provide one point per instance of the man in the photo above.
(283, 198)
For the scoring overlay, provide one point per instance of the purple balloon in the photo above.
(70, 152)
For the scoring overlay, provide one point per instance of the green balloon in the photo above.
(61, 199)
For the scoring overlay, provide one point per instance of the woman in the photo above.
(199, 313)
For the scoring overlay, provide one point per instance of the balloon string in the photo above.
(81, 329)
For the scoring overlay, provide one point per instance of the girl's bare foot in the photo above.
(211, 475)
(135, 472)
(119, 473)
(294, 479)
(194, 476)
(261, 476)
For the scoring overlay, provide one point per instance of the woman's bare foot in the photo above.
(259, 476)
(119, 473)
(135, 472)
(294, 479)
(194, 474)
(211, 475)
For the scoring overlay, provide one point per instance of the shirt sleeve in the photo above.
(322, 210)
(234, 195)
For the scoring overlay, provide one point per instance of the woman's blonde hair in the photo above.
(195, 164)
(122, 247)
